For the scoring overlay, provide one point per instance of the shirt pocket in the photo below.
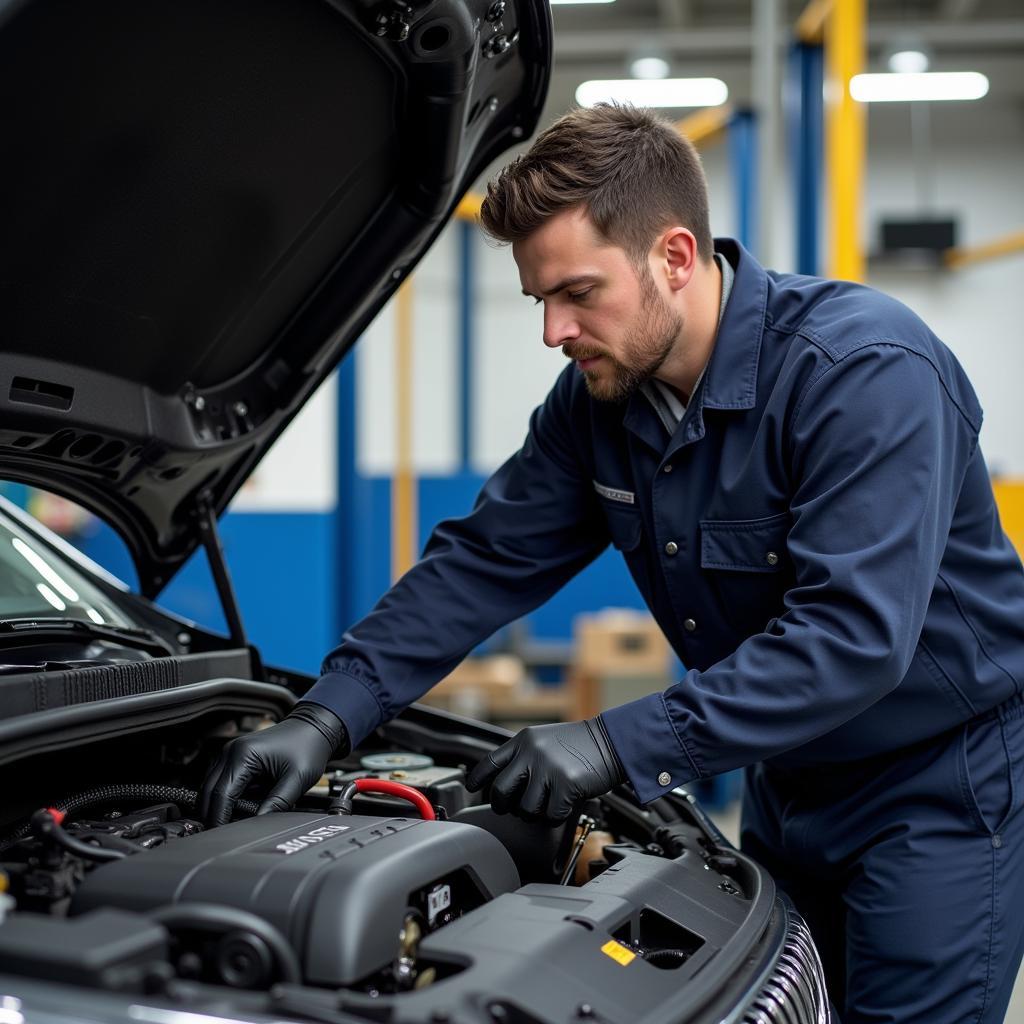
(748, 568)
(744, 545)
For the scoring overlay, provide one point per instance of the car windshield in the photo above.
(37, 583)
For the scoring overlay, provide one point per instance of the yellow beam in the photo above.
(810, 26)
(705, 125)
(469, 207)
(403, 489)
(1010, 499)
(845, 137)
(1005, 246)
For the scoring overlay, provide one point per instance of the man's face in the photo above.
(607, 317)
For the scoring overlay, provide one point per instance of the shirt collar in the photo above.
(730, 377)
(730, 381)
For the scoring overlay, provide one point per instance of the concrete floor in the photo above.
(728, 820)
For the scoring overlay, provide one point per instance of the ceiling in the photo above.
(716, 37)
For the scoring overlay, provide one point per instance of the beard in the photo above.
(645, 348)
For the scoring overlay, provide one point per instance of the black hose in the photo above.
(666, 958)
(213, 917)
(128, 792)
(45, 826)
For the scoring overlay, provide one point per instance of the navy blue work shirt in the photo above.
(818, 540)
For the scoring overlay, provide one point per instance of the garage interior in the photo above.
(920, 198)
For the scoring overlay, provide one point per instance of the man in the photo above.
(790, 468)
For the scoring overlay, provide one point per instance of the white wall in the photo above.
(977, 174)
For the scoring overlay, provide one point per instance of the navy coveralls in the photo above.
(819, 542)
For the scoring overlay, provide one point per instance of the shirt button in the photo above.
(671, 547)
(664, 779)
(772, 558)
(667, 468)
(689, 625)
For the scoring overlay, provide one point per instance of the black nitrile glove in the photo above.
(289, 756)
(546, 771)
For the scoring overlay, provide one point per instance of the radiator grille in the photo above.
(795, 990)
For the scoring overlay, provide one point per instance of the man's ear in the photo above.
(676, 251)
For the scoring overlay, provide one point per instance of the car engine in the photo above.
(330, 900)
(340, 890)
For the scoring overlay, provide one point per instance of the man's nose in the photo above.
(560, 326)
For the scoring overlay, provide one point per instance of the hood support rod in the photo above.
(207, 518)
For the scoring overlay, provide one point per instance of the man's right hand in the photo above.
(289, 756)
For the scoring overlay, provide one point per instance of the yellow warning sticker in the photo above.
(618, 952)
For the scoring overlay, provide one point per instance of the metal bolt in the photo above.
(184, 638)
(496, 45)
(396, 274)
(584, 1010)
(240, 409)
(518, 132)
(492, 104)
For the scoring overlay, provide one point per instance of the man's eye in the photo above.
(579, 296)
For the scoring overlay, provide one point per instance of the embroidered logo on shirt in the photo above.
(614, 494)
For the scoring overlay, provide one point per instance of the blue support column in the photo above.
(804, 111)
(467, 236)
(743, 160)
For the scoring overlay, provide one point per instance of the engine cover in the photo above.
(338, 888)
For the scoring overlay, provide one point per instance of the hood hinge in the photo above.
(207, 519)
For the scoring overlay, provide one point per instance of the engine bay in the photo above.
(390, 893)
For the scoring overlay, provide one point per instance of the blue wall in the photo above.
(283, 568)
(289, 578)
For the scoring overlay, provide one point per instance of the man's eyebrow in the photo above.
(566, 282)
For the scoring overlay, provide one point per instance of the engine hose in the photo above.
(667, 957)
(213, 917)
(46, 824)
(127, 792)
(342, 803)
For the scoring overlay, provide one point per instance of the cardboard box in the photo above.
(619, 642)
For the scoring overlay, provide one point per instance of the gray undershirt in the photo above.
(666, 402)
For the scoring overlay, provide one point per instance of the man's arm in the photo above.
(535, 525)
(878, 455)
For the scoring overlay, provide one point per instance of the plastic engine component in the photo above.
(337, 887)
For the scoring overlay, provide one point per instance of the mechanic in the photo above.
(790, 467)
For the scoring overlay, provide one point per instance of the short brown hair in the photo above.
(632, 171)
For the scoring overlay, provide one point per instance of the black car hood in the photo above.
(203, 204)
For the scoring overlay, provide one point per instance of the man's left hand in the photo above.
(546, 771)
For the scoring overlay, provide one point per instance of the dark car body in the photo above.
(203, 205)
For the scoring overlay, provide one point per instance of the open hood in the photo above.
(203, 205)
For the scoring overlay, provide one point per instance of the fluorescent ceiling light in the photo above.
(931, 85)
(662, 92)
(649, 67)
(908, 62)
